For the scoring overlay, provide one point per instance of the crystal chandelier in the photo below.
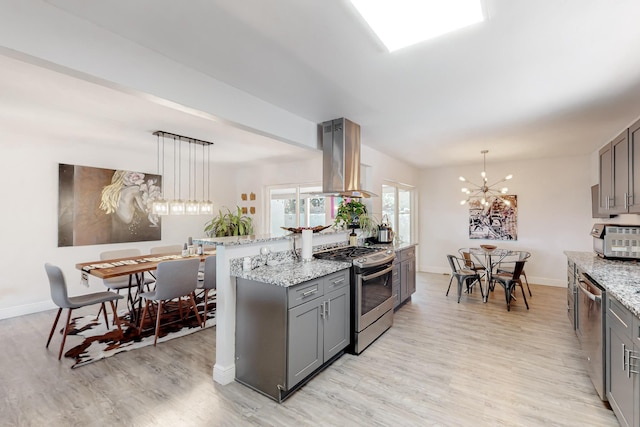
(484, 193)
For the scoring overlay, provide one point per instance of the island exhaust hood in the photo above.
(341, 159)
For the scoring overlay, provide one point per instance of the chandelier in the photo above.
(485, 193)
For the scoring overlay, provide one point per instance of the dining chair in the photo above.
(168, 249)
(463, 276)
(470, 264)
(122, 282)
(175, 280)
(60, 296)
(509, 281)
(207, 283)
(507, 266)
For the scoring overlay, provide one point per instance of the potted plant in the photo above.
(229, 224)
(353, 214)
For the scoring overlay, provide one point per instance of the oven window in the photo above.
(375, 291)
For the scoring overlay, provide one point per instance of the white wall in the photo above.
(29, 225)
(554, 213)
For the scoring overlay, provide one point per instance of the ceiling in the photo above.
(537, 79)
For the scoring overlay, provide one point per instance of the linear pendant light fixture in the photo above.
(484, 193)
(176, 206)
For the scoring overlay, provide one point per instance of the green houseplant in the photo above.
(229, 224)
(353, 214)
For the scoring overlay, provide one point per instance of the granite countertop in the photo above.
(621, 279)
(291, 273)
(396, 247)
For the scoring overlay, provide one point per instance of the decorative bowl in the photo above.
(316, 229)
(489, 248)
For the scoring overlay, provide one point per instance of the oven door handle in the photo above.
(592, 297)
(377, 274)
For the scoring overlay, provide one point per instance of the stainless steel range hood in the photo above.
(341, 159)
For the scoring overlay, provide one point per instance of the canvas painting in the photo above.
(98, 206)
(495, 221)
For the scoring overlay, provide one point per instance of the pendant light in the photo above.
(485, 193)
(206, 207)
(160, 206)
(191, 207)
(176, 206)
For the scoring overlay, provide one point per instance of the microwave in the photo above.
(616, 241)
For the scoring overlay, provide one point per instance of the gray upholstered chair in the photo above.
(61, 298)
(169, 249)
(208, 283)
(175, 280)
(463, 276)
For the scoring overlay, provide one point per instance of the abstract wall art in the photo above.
(494, 221)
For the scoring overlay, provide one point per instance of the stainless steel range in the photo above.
(371, 291)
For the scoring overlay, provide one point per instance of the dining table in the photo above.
(489, 258)
(134, 267)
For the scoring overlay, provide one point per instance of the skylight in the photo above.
(401, 23)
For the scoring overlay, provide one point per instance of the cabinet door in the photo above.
(336, 322)
(404, 281)
(395, 285)
(634, 168)
(620, 153)
(304, 336)
(411, 273)
(606, 179)
(619, 382)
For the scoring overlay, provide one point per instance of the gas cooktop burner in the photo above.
(361, 256)
(347, 253)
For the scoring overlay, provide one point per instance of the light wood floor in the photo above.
(442, 364)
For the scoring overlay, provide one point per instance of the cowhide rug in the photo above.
(100, 342)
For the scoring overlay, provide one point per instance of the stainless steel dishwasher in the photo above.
(590, 328)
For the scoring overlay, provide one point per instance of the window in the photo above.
(397, 203)
(298, 206)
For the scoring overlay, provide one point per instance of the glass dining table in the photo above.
(489, 258)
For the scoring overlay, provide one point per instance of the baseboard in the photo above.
(224, 375)
(21, 310)
(544, 281)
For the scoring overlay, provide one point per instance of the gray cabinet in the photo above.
(622, 348)
(619, 163)
(572, 291)
(405, 264)
(286, 334)
(395, 285)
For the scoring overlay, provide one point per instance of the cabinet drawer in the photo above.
(408, 253)
(621, 319)
(304, 292)
(336, 281)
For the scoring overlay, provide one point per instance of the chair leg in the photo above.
(64, 335)
(144, 313)
(180, 308)
(460, 280)
(450, 281)
(155, 340)
(104, 310)
(206, 304)
(507, 295)
(527, 282)
(195, 308)
(53, 328)
(116, 319)
(524, 296)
